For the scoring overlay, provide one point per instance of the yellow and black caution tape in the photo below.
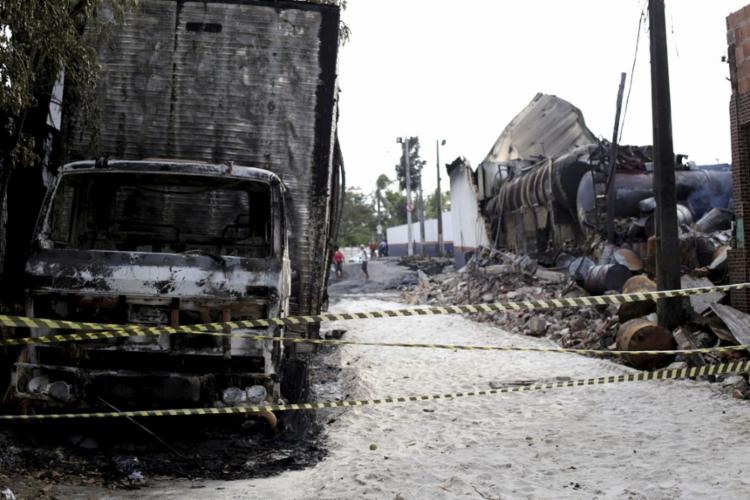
(524, 305)
(79, 337)
(715, 369)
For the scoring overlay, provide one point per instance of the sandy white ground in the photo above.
(674, 439)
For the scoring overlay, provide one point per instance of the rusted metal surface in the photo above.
(643, 335)
(632, 310)
(629, 259)
(606, 277)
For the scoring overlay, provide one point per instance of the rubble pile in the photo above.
(496, 276)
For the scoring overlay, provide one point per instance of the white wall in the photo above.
(468, 222)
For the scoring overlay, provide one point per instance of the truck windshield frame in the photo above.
(163, 212)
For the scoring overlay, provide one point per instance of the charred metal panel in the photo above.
(547, 127)
(250, 82)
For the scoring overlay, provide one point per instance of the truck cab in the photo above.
(157, 243)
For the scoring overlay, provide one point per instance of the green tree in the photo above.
(395, 213)
(380, 187)
(430, 204)
(415, 166)
(39, 39)
(358, 219)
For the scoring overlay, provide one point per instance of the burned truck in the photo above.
(207, 187)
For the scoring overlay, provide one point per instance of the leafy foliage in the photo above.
(38, 40)
(358, 219)
(395, 209)
(430, 204)
(415, 165)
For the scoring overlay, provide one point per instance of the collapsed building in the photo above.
(536, 210)
(541, 192)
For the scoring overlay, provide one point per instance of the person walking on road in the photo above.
(363, 256)
(338, 261)
(383, 248)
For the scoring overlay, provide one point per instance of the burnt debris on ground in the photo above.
(496, 276)
(121, 455)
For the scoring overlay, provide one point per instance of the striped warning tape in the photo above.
(525, 305)
(715, 369)
(78, 337)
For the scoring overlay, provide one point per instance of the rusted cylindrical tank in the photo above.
(628, 258)
(632, 310)
(716, 219)
(579, 268)
(699, 190)
(642, 335)
(684, 218)
(605, 277)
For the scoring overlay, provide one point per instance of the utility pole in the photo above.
(441, 244)
(420, 214)
(404, 141)
(611, 193)
(667, 247)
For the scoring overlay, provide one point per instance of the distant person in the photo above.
(383, 248)
(373, 247)
(363, 257)
(338, 261)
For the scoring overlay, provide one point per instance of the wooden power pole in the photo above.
(667, 245)
(611, 191)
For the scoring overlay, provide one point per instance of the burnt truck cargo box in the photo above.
(246, 82)
(204, 188)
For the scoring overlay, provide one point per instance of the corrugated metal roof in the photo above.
(547, 126)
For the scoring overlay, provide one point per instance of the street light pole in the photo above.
(420, 215)
(410, 239)
(441, 244)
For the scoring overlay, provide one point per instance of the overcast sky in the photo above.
(460, 70)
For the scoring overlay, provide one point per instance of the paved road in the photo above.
(647, 440)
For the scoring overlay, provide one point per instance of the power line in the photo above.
(632, 70)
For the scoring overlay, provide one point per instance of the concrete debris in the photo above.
(493, 276)
(7, 494)
(497, 276)
(422, 276)
(537, 326)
